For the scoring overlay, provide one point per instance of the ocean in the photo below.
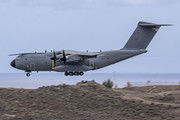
(20, 80)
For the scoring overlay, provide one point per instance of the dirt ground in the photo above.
(166, 95)
(90, 101)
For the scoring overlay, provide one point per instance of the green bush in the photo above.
(108, 83)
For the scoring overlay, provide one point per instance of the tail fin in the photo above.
(143, 35)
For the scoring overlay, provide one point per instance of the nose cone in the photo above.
(13, 63)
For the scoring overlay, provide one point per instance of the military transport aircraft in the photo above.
(76, 62)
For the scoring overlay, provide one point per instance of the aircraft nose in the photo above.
(13, 63)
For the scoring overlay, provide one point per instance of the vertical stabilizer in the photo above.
(143, 35)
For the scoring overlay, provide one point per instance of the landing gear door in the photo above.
(91, 63)
(32, 66)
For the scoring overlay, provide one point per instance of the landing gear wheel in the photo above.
(81, 73)
(71, 73)
(27, 74)
(66, 73)
(76, 73)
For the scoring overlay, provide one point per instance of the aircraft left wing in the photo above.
(24, 54)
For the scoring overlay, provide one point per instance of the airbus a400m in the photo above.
(73, 62)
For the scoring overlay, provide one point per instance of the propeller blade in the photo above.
(64, 57)
(54, 57)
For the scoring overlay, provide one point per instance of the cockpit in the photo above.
(18, 57)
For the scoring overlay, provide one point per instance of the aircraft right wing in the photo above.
(75, 56)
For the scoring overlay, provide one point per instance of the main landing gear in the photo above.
(73, 73)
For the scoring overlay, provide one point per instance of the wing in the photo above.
(23, 54)
(80, 53)
(75, 56)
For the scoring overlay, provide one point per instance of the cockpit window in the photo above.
(18, 57)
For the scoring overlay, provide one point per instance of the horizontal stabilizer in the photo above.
(145, 24)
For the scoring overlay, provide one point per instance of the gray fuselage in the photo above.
(43, 62)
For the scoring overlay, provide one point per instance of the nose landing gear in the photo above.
(27, 74)
(74, 73)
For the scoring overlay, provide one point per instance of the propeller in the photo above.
(54, 57)
(64, 57)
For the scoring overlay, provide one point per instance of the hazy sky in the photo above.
(36, 25)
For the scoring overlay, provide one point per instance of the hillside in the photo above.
(83, 101)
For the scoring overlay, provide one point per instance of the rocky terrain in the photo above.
(87, 101)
